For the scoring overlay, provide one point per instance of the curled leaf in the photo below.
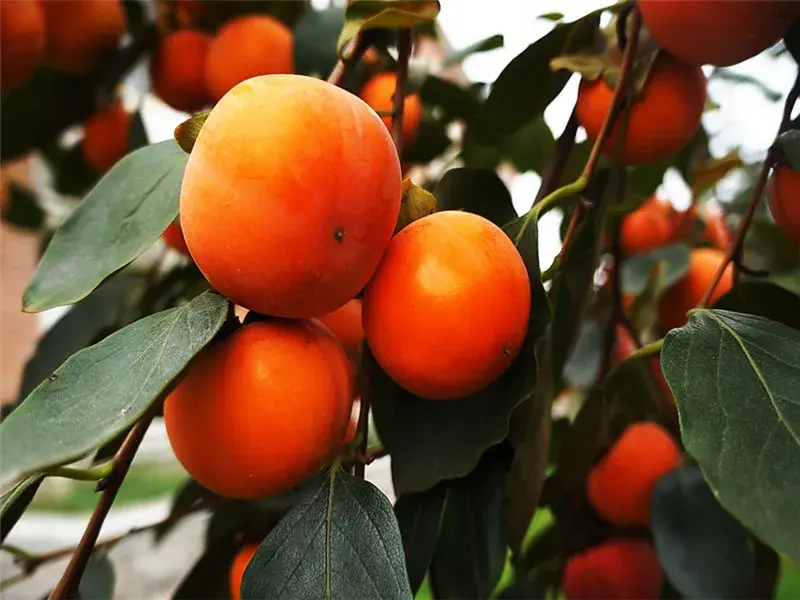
(416, 203)
(361, 15)
(186, 133)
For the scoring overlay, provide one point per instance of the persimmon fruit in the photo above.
(22, 40)
(447, 310)
(621, 483)
(618, 569)
(177, 70)
(687, 292)
(246, 47)
(238, 567)
(173, 237)
(720, 33)
(106, 137)
(290, 195)
(81, 34)
(663, 119)
(260, 411)
(649, 227)
(378, 92)
(345, 324)
(784, 201)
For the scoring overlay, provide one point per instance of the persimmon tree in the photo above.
(624, 423)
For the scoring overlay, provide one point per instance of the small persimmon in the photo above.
(246, 47)
(178, 68)
(784, 201)
(687, 292)
(620, 569)
(238, 567)
(106, 137)
(621, 484)
(649, 227)
(378, 92)
(21, 41)
(345, 324)
(720, 33)
(663, 119)
(290, 195)
(173, 237)
(447, 310)
(260, 411)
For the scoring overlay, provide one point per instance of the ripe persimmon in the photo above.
(80, 34)
(720, 33)
(784, 201)
(687, 292)
(620, 485)
(345, 324)
(178, 69)
(378, 92)
(260, 411)
(173, 237)
(649, 227)
(106, 137)
(308, 182)
(246, 47)
(620, 569)
(238, 567)
(663, 119)
(21, 41)
(447, 310)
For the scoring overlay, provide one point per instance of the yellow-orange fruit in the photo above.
(21, 41)
(262, 410)
(687, 293)
(649, 227)
(238, 567)
(663, 119)
(290, 195)
(784, 201)
(80, 34)
(623, 569)
(447, 311)
(173, 237)
(178, 69)
(378, 92)
(621, 484)
(246, 47)
(721, 33)
(106, 137)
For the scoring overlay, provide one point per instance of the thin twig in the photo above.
(404, 55)
(90, 474)
(358, 45)
(68, 585)
(559, 159)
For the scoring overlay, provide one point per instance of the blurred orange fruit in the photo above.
(178, 68)
(784, 201)
(378, 92)
(649, 227)
(21, 41)
(238, 567)
(106, 137)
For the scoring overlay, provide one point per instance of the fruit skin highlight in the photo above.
(663, 119)
(238, 567)
(378, 92)
(177, 70)
(621, 484)
(21, 41)
(447, 311)
(260, 411)
(290, 195)
(246, 47)
(720, 33)
(621, 569)
(784, 201)
(106, 137)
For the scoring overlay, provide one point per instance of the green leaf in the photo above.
(120, 218)
(527, 85)
(637, 269)
(764, 299)
(491, 43)
(456, 102)
(430, 141)
(419, 517)
(105, 388)
(735, 380)
(530, 147)
(471, 552)
(340, 540)
(208, 579)
(704, 551)
(72, 176)
(477, 191)
(15, 501)
(98, 578)
(551, 16)
(789, 144)
(583, 365)
(361, 15)
(22, 209)
(186, 498)
(315, 37)
(186, 133)
(792, 40)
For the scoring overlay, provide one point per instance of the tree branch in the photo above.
(358, 45)
(404, 55)
(559, 159)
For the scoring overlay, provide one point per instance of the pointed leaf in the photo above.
(491, 43)
(361, 15)
(636, 270)
(477, 191)
(340, 540)
(416, 202)
(120, 218)
(186, 133)
(15, 501)
(105, 388)
(789, 144)
(735, 379)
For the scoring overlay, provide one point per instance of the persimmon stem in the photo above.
(358, 45)
(404, 55)
(67, 587)
(91, 474)
(648, 350)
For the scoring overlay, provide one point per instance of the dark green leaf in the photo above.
(393, 14)
(120, 218)
(583, 366)
(15, 501)
(791, 40)
(186, 499)
(764, 299)
(419, 517)
(72, 176)
(98, 578)
(704, 551)
(477, 191)
(527, 85)
(735, 380)
(636, 269)
(315, 36)
(105, 388)
(135, 14)
(789, 143)
(341, 540)
(551, 16)
(456, 102)
(472, 544)
(138, 133)
(476, 154)
(646, 178)
(530, 147)
(430, 141)
(491, 43)
(209, 578)
(22, 209)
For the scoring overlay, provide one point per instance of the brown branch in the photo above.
(561, 153)
(68, 585)
(404, 55)
(358, 45)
